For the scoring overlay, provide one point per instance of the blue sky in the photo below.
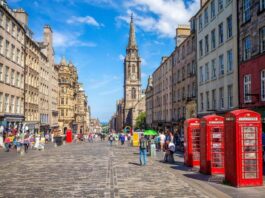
(94, 34)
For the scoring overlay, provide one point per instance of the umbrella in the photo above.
(150, 132)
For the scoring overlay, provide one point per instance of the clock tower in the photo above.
(132, 78)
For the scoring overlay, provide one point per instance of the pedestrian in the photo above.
(52, 135)
(129, 139)
(76, 138)
(117, 139)
(26, 141)
(157, 142)
(152, 147)
(90, 138)
(111, 139)
(142, 150)
(169, 148)
(162, 140)
(8, 143)
(47, 138)
(122, 139)
(2, 136)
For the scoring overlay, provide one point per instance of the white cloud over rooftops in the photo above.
(160, 16)
(89, 20)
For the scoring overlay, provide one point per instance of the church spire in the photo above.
(132, 39)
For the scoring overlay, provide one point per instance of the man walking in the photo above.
(142, 149)
(111, 139)
(122, 137)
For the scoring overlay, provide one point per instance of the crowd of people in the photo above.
(121, 137)
(88, 137)
(163, 142)
(148, 145)
(23, 141)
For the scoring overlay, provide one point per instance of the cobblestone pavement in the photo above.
(92, 170)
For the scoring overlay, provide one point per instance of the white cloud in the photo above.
(64, 39)
(143, 75)
(121, 57)
(143, 61)
(84, 20)
(160, 16)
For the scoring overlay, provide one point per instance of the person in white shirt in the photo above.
(162, 140)
(1, 137)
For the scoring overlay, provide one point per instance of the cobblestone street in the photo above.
(98, 170)
(90, 170)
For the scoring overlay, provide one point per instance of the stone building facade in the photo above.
(32, 75)
(53, 85)
(132, 80)
(81, 110)
(251, 17)
(162, 94)
(68, 85)
(44, 93)
(217, 73)
(184, 79)
(95, 126)
(119, 115)
(32, 81)
(149, 102)
(12, 42)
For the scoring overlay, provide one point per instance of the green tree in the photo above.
(141, 121)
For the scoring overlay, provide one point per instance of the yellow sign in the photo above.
(135, 139)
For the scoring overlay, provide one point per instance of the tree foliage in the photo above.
(141, 121)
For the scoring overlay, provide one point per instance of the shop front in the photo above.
(11, 121)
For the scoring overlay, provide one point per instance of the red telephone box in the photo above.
(192, 142)
(68, 138)
(243, 140)
(212, 145)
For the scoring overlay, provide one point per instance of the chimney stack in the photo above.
(21, 16)
(182, 32)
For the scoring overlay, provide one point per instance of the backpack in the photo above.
(143, 143)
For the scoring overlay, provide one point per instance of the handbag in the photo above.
(171, 146)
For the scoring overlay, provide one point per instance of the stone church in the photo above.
(134, 98)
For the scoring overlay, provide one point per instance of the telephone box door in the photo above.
(192, 142)
(217, 150)
(196, 146)
(250, 171)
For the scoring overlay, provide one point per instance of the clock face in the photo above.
(133, 76)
